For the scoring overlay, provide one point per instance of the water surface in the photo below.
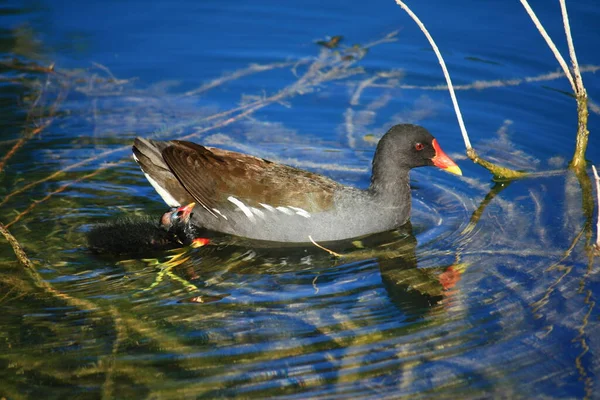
(491, 292)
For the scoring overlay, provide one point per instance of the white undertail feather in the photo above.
(167, 198)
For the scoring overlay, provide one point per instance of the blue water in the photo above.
(519, 319)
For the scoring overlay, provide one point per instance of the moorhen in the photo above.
(247, 196)
(132, 235)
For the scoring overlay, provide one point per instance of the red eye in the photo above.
(419, 146)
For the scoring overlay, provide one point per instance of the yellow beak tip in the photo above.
(454, 170)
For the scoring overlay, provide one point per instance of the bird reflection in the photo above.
(208, 257)
(411, 289)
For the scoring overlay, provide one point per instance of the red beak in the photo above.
(185, 212)
(441, 160)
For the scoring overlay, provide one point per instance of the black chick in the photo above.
(133, 235)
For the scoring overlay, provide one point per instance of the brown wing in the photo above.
(211, 175)
(148, 154)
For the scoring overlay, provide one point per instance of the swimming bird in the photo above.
(251, 197)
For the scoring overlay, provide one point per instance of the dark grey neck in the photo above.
(390, 184)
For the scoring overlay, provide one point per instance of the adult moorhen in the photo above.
(252, 197)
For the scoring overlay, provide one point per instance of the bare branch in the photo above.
(331, 252)
(550, 43)
(482, 85)
(461, 123)
(30, 131)
(252, 69)
(580, 89)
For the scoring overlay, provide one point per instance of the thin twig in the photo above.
(19, 252)
(314, 283)
(362, 86)
(35, 203)
(389, 38)
(62, 171)
(537, 305)
(112, 77)
(36, 277)
(30, 133)
(580, 89)
(578, 162)
(18, 65)
(550, 44)
(252, 69)
(496, 83)
(475, 217)
(461, 123)
(333, 253)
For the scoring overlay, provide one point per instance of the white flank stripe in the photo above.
(268, 207)
(167, 198)
(300, 211)
(242, 207)
(285, 210)
(258, 212)
(219, 212)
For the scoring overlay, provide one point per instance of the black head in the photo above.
(177, 222)
(409, 146)
(177, 217)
